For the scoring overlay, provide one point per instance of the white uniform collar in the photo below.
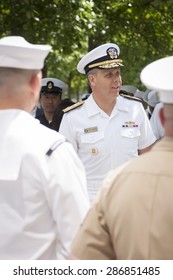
(21, 136)
(10, 159)
(123, 104)
(94, 109)
(19, 127)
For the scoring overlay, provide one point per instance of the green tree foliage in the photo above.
(142, 28)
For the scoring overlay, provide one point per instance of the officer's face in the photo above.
(49, 102)
(106, 82)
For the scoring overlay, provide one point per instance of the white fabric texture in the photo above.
(43, 199)
(111, 140)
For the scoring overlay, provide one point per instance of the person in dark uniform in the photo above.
(59, 112)
(50, 97)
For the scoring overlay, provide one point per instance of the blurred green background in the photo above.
(143, 29)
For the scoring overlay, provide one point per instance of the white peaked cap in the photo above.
(105, 56)
(16, 52)
(139, 94)
(158, 75)
(50, 85)
(151, 97)
(129, 88)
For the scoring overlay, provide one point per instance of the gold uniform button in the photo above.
(94, 151)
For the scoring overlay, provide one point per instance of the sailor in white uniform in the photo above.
(107, 129)
(41, 207)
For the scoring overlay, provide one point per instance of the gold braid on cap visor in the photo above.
(107, 64)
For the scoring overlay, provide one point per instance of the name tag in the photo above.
(91, 129)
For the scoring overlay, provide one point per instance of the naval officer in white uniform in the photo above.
(107, 129)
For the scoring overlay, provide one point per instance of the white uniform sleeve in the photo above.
(67, 195)
(66, 129)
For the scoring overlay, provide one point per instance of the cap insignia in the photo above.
(50, 85)
(112, 52)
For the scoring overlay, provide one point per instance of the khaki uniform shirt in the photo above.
(132, 217)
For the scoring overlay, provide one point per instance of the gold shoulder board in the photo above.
(74, 106)
(134, 98)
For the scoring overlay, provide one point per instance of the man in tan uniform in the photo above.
(132, 216)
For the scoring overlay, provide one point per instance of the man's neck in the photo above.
(106, 105)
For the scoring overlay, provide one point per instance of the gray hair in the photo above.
(91, 72)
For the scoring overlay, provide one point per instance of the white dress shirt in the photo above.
(104, 142)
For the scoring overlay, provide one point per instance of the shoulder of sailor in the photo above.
(74, 106)
(49, 138)
(132, 98)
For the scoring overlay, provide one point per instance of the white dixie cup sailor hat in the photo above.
(16, 52)
(158, 76)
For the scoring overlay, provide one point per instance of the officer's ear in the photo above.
(91, 79)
